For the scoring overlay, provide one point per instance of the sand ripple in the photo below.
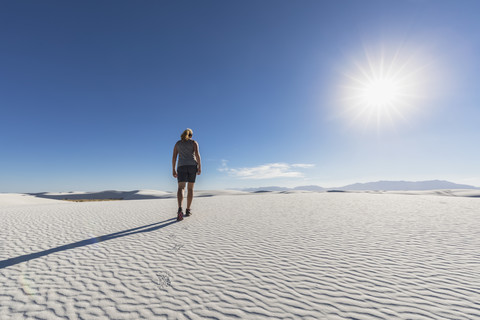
(283, 256)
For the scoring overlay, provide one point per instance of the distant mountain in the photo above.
(379, 185)
(406, 185)
(310, 188)
(275, 188)
(272, 188)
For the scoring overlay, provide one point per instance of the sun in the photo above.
(382, 87)
(381, 93)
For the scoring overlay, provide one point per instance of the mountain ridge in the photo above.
(385, 185)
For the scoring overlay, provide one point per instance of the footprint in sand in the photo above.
(163, 279)
(177, 247)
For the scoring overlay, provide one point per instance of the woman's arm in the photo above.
(174, 161)
(197, 156)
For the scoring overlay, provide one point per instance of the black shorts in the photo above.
(186, 173)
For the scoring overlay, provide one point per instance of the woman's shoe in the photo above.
(179, 214)
(188, 213)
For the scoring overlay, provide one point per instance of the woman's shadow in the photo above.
(31, 256)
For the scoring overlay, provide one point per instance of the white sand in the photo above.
(453, 193)
(18, 199)
(281, 256)
(129, 195)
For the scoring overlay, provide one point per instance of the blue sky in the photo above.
(94, 94)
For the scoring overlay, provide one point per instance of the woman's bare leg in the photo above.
(181, 189)
(190, 194)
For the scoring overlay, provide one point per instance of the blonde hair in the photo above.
(185, 133)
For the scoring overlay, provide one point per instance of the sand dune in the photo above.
(155, 194)
(129, 195)
(109, 194)
(19, 199)
(472, 193)
(263, 256)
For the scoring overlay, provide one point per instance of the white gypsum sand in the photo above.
(127, 195)
(263, 256)
(18, 199)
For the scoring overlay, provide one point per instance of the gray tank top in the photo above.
(186, 153)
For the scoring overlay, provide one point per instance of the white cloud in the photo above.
(266, 171)
(303, 165)
(224, 166)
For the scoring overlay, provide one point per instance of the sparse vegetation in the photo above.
(91, 200)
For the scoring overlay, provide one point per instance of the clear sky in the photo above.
(94, 94)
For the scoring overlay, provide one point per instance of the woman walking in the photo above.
(189, 165)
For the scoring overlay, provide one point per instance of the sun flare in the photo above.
(383, 87)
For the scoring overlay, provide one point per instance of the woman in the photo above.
(189, 166)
